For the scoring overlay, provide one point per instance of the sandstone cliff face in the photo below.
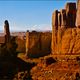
(68, 41)
(65, 38)
(71, 41)
(38, 43)
(20, 45)
(78, 14)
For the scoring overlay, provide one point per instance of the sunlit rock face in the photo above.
(78, 14)
(68, 41)
(65, 34)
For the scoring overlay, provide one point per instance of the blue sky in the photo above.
(29, 15)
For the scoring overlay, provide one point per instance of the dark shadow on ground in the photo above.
(9, 66)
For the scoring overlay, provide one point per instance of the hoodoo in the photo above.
(6, 31)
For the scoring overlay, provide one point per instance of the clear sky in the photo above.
(25, 14)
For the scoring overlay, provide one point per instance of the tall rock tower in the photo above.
(70, 14)
(54, 30)
(78, 14)
(6, 31)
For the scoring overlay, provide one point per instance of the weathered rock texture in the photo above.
(65, 35)
(63, 17)
(68, 41)
(78, 14)
(38, 43)
(63, 70)
(54, 29)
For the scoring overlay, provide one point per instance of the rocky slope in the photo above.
(61, 70)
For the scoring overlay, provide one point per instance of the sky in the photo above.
(26, 15)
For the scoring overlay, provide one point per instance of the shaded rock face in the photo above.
(63, 18)
(55, 19)
(21, 45)
(49, 61)
(38, 43)
(71, 14)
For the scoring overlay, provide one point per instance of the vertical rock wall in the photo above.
(78, 14)
(54, 30)
(38, 43)
(61, 21)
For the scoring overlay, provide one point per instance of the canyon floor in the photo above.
(50, 67)
(54, 67)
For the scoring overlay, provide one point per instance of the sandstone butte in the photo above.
(65, 47)
(65, 36)
(65, 32)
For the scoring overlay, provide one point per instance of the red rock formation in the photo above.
(21, 44)
(78, 14)
(59, 19)
(63, 18)
(61, 70)
(54, 30)
(65, 37)
(38, 43)
(6, 31)
(71, 14)
(55, 19)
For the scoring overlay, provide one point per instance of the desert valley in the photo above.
(48, 55)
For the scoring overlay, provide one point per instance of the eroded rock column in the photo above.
(54, 30)
(71, 14)
(63, 18)
(6, 31)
